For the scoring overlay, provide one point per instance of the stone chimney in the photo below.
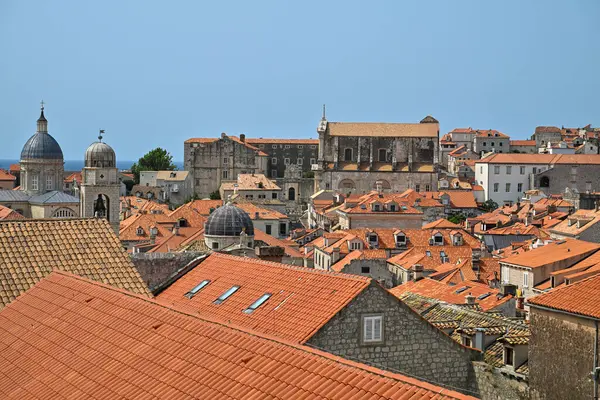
(479, 339)
(176, 230)
(417, 272)
(242, 138)
(470, 299)
(335, 254)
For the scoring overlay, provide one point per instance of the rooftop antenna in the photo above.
(100, 135)
(323, 117)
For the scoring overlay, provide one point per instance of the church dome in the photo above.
(41, 145)
(228, 220)
(100, 155)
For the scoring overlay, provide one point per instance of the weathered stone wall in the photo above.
(364, 181)
(410, 345)
(495, 385)
(158, 269)
(561, 176)
(375, 269)
(291, 151)
(561, 354)
(542, 138)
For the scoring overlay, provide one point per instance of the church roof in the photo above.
(53, 197)
(13, 195)
(41, 146)
(229, 220)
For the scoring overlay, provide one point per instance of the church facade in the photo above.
(353, 156)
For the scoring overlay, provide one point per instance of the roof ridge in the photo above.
(302, 347)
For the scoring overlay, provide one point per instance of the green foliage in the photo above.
(308, 174)
(457, 219)
(489, 205)
(215, 195)
(155, 160)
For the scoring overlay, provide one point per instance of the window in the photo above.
(286, 161)
(496, 170)
(273, 195)
(481, 169)
(197, 288)
(500, 144)
(49, 185)
(534, 170)
(382, 155)
(225, 174)
(504, 274)
(438, 239)
(588, 186)
(544, 181)
(261, 146)
(493, 144)
(508, 169)
(365, 270)
(215, 245)
(262, 196)
(300, 161)
(519, 187)
(484, 143)
(257, 303)
(63, 213)
(417, 188)
(525, 279)
(274, 146)
(139, 231)
(249, 196)
(522, 170)
(313, 161)
(313, 146)
(354, 246)
(282, 229)
(392, 207)
(348, 154)
(274, 161)
(507, 187)
(225, 295)
(300, 146)
(467, 341)
(427, 188)
(508, 356)
(35, 180)
(287, 146)
(226, 160)
(273, 173)
(372, 328)
(268, 229)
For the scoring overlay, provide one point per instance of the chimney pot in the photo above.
(470, 299)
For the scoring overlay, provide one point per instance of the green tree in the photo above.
(155, 160)
(215, 195)
(457, 219)
(489, 205)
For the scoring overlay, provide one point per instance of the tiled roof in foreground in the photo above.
(581, 298)
(31, 249)
(89, 340)
(302, 299)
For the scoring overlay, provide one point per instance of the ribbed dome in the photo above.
(101, 155)
(41, 145)
(228, 221)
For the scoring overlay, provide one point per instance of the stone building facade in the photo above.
(353, 156)
(409, 344)
(284, 152)
(211, 160)
(582, 176)
(545, 134)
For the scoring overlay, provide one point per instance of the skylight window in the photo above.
(225, 295)
(428, 253)
(197, 288)
(257, 303)
(462, 289)
(483, 296)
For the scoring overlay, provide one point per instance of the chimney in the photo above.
(335, 256)
(235, 189)
(479, 339)
(417, 272)
(256, 215)
(470, 299)
(242, 138)
(176, 230)
(379, 186)
(223, 135)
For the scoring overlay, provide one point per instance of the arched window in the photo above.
(346, 184)
(382, 155)
(64, 213)
(102, 207)
(348, 154)
(544, 181)
(291, 193)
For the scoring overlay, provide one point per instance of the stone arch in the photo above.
(544, 181)
(384, 184)
(346, 184)
(102, 206)
(292, 194)
(64, 212)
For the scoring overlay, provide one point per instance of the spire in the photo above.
(42, 123)
(100, 135)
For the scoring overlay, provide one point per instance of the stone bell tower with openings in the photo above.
(99, 195)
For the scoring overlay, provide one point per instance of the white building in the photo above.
(505, 177)
(176, 185)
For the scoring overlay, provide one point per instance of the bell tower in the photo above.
(100, 186)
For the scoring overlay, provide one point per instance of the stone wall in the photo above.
(278, 152)
(561, 354)
(410, 344)
(495, 385)
(363, 182)
(160, 269)
(375, 269)
(561, 176)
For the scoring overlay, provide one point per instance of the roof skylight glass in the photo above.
(197, 288)
(225, 295)
(257, 303)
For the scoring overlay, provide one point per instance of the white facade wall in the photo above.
(486, 176)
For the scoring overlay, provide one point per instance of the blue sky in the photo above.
(154, 73)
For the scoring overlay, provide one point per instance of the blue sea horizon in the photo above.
(77, 165)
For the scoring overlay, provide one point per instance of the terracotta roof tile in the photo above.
(382, 129)
(441, 223)
(6, 176)
(263, 213)
(137, 228)
(251, 182)
(31, 249)
(8, 214)
(553, 252)
(458, 198)
(581, 298)
(191, 216)
(304, 297)
(522, 142)
(90, 340)
(577, 223)
(14, 167)
(282, 141)
(136, 205)
(452, 294)
(75, 176)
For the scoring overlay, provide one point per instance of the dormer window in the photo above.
(509, 356)
(400, 239)
(457, 239)
(392, 207)
(372, 237)
(438, 239)
(153, 231)
(139, 231)
(376, 206)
